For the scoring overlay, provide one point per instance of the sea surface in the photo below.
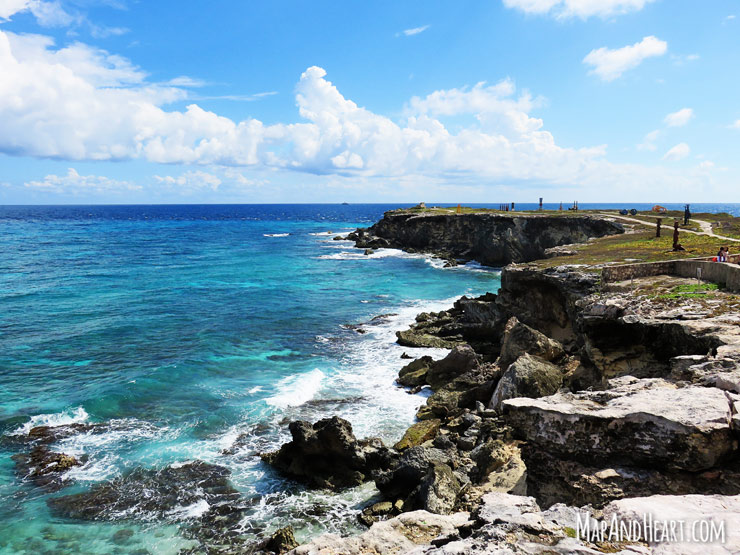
(196, 333)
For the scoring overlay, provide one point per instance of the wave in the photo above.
(64, 418)
(275, 234)
(296, 390)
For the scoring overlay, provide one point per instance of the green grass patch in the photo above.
(689, 291)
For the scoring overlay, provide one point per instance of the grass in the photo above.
(689, 291)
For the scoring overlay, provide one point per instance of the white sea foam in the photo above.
(275, 234)
(255, 389)
(196, 510)
(293, 391)
(64, 418)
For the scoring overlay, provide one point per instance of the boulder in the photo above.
(649, 423)
(499, 467)
(460, 360)
(439, 490)
(723, 373)
(463, 392)
(408, 471)
(412, 338)
(327, 455)
(521, 339)
(282, 541)
(419, 433)
(529, 376)
(415, 372)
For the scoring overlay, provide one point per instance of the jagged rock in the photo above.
(281, 541)
(419, 433)
(499, 467)
(327, 454)
(439, 490)
(529, 376)
(463, 392)
(552, 480)
(723, 373)
(408, 471)
(521, 339)
(405, 533)
(460, 360)
(411, 338)
(150, 493)
(415, 372)
(44, 467)
(636, 423)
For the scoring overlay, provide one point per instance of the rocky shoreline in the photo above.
(560, 397)
(562, 400)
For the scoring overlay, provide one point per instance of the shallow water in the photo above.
(191, 330)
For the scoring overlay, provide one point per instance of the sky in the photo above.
(277, 101)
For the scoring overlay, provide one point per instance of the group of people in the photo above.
(723, 254)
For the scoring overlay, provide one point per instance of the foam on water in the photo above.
(296, 390)
(275, 234)
(64, 418)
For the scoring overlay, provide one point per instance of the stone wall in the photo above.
(725, 274)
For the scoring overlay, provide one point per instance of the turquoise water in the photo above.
(184, 328)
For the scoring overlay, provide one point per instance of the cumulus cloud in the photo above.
(584, 9)
(679, 118)
(48, 13)
(414, 31)
(678, 152)
(82, 103)
(611, 64)
(75, 184)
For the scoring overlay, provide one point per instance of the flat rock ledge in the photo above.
(643, 422)
(507, 523)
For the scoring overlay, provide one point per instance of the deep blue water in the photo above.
(184, 327)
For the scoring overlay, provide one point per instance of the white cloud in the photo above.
(648, 143)
(735, 125)
(680, 118)
(584, 9)
(611, 64)
(191, 181)
(678, 152)
(414, 31)
(48, 13)
(82, 103)
(75, 184)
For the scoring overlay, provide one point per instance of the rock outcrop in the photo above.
(492, 239)
(326, 454)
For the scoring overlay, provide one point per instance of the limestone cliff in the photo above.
(490, 238)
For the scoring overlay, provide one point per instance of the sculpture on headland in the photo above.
(676, 245)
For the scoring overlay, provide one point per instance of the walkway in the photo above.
(705, 226)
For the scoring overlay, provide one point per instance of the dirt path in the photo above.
(705, 226)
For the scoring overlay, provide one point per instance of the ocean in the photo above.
(197, 333)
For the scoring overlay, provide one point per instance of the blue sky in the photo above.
(123, 101)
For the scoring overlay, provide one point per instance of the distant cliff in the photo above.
(491, 239)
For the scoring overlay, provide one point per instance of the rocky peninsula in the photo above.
(562, 396)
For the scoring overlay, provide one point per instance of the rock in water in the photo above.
(149, 493)
(327, 454)
(648, 423)
(529, 376)
(43, 466)
(415, 372)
